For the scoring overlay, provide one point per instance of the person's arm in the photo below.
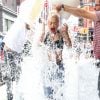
(43, 33)
(42, 37)
(76, 11)
(67, 39)
(65, 35)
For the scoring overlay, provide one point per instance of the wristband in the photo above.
(62, 6)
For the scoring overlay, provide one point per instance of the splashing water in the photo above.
(31, 84)
(32, 81)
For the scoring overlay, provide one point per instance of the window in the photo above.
(8, 24)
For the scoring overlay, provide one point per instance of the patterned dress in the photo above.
(54, 72)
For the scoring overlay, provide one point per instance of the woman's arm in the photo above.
(67, 39)
(43, 33)
(65, 35)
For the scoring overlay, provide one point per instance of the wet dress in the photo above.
(54, 72)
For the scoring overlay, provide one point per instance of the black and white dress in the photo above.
(54, 72)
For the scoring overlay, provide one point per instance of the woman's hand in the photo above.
(64, 28)
(64, 31)
(65, 35)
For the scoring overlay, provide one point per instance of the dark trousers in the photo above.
(98, 66)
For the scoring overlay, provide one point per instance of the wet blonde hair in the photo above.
(53, 13)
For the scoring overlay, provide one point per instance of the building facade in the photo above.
(86, 25)
(8, 14)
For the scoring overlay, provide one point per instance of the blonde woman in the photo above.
(54, 73)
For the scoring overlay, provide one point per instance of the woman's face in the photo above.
(53, 24)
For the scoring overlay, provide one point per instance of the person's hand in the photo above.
(64, 28)
(57, 7)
